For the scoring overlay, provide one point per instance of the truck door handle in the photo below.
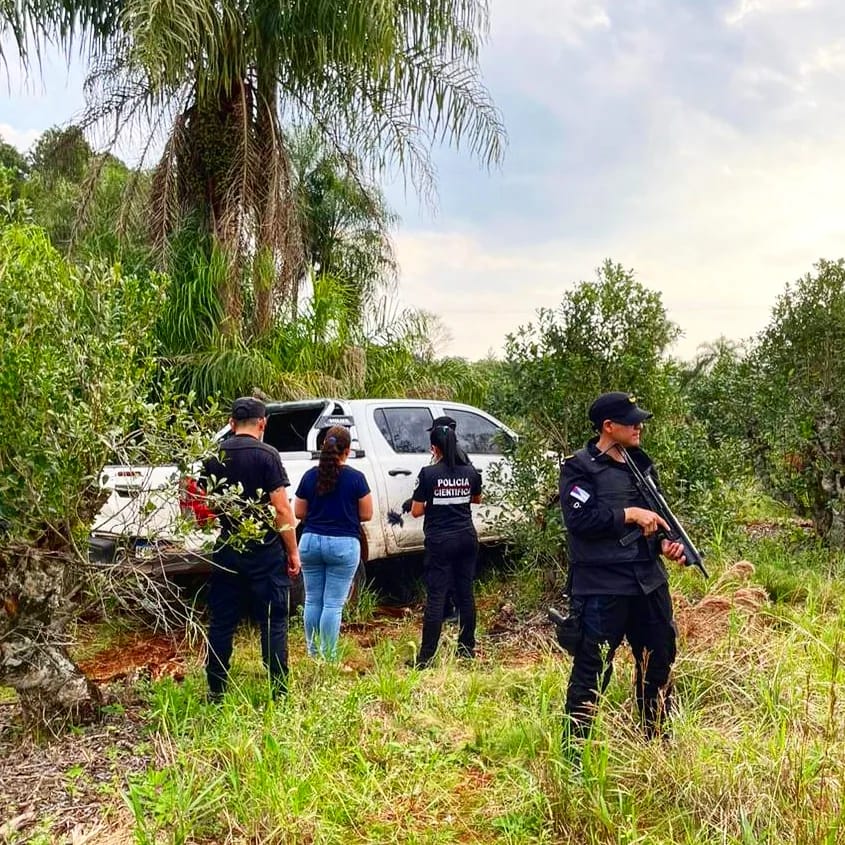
(399, 472)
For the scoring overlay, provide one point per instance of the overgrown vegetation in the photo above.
(461, 754)
(77, 360)
(276, 243)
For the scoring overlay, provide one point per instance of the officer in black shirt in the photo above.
(248, 478)
(620, 591)
(450, 611)
(444, 492)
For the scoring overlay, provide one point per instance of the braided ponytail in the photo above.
(335, 444)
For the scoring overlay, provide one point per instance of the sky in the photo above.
(700, 143)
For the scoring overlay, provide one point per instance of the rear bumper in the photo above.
(147, 558)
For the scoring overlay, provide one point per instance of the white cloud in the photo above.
(727, 221)
(23, 139)
(757, 80)
(749, 8)
(560, 21)
(829, 58)
(631, 60)
(480, 292)
(708, 158)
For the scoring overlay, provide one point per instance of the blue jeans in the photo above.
(328, 567)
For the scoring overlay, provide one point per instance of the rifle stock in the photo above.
(655, 501)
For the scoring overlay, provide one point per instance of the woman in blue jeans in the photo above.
(332, 500)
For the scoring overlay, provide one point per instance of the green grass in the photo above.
(472, 753)
(369, 751)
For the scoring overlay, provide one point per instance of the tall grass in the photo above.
(472, 754)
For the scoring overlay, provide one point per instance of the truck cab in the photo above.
(156, 515)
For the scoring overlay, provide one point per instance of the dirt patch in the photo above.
(520, 642)
(706, 621)
(71, 785)
(154, 655)
(758, 529)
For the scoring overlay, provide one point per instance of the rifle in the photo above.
(655, 502)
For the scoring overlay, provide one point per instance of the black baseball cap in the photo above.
(248, 408)
(617, 407)
(447, 421)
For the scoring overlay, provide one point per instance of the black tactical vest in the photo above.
(614, 488)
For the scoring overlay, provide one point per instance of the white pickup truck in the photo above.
(150, 515)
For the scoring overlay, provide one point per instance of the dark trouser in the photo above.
(449, 567)
(646, 622)
(266, 597)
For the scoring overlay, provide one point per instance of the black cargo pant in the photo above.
(264, 596)
(449, 566)
(646, 621)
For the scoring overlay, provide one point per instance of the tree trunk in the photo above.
(828, 481)
(35, 585)
(829, 508)
(279, 249)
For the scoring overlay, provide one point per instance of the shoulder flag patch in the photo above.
(579, 493)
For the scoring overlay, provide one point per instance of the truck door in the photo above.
(402, 447)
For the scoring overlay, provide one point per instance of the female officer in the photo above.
(444, 492)
(332, 499)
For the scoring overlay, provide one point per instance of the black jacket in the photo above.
(594, 492)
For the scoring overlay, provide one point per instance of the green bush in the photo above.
(610, 334)
(75, 362)
(75, 367)
(797, 413)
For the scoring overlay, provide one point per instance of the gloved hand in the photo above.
(406, 505)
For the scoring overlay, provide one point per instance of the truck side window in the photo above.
(476, 434)
(405, 429)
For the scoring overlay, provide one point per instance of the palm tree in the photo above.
(27, 25)
(345, 222)
(381, 81)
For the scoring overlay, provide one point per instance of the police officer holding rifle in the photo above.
(618, 587)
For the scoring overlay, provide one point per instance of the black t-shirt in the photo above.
(258, 468)
(447, 494)
(334, 514)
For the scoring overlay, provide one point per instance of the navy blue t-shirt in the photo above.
(257, 467)
(447, 494)
(333, 514)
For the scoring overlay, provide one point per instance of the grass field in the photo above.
(369, 751)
